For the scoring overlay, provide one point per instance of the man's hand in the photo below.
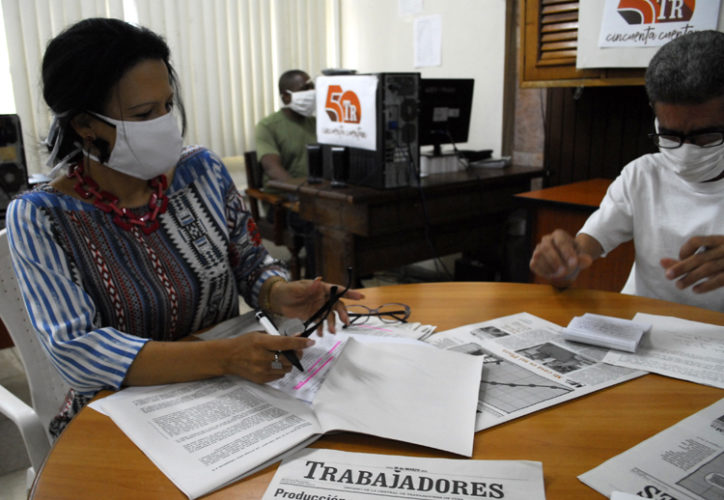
(559, 257)
(701, 261)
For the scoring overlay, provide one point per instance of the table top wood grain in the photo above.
(586, 194)
(94, 459)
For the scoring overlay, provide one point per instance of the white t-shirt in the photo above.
(660, 211)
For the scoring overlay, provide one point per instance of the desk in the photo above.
(94, 459)
(567, 207)
(374, 229)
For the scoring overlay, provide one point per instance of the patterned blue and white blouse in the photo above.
(97, 293)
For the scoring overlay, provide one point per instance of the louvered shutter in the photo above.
(549, 40)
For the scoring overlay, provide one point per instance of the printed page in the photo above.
(678, 348)
(329, 474)
(318, 360)
(205, 434)
(408, 392)
(683, 462)
(528, 366)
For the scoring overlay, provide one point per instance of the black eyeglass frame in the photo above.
(692, 138)
(316, 319)
(400, 316)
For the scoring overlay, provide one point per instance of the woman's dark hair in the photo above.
(83, 63)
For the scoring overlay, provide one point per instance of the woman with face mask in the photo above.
(138, 241)
(671, 202)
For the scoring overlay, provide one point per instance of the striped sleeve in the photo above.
(251, 262)
(89, 356)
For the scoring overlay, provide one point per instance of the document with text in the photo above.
(529, 366)
(205, 434)
(678, 348)
(683, 462)
(332, 474)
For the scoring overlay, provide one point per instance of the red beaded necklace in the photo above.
(87, 188)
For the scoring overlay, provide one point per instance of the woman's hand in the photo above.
(251, 355)
(302, 298)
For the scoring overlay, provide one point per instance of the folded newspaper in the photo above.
(606, 331)
(685, 461)
(330, 474)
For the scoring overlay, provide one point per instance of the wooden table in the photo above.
(94, 459)
(374, 229)
(567, 207)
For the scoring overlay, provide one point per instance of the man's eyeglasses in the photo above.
(392, 312)
(702, 139)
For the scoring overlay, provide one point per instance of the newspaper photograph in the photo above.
(683, 462)
(338, 475)
(528, 366)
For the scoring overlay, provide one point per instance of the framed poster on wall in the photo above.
(627, 33)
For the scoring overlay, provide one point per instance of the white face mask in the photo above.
(145, 149)
(303, 102)
(693, 163)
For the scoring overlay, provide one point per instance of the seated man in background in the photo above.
(670, 203)
(281, 141)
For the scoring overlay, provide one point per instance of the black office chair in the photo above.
(273, 228)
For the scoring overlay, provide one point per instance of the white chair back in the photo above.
(47, 388)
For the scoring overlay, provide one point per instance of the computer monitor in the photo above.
(445, 105)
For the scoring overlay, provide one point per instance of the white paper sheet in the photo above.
(678, 348)
(428, 41)
(409, 7)
(344, 402)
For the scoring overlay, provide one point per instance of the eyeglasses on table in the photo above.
(392, 312)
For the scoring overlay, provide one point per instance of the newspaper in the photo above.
(529, 366)
(338, 475)
(683, 462)
(678, 348)
(208, 433)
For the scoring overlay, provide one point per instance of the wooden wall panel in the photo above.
(594, 132)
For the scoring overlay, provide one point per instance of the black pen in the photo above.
(269, 327)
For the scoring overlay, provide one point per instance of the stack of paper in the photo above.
(606, 331)
(208, 433)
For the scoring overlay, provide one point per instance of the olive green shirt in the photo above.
(280, 135)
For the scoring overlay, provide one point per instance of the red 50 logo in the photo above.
(342, 106)
(656, 11)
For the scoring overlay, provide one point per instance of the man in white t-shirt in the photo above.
(670, 203)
